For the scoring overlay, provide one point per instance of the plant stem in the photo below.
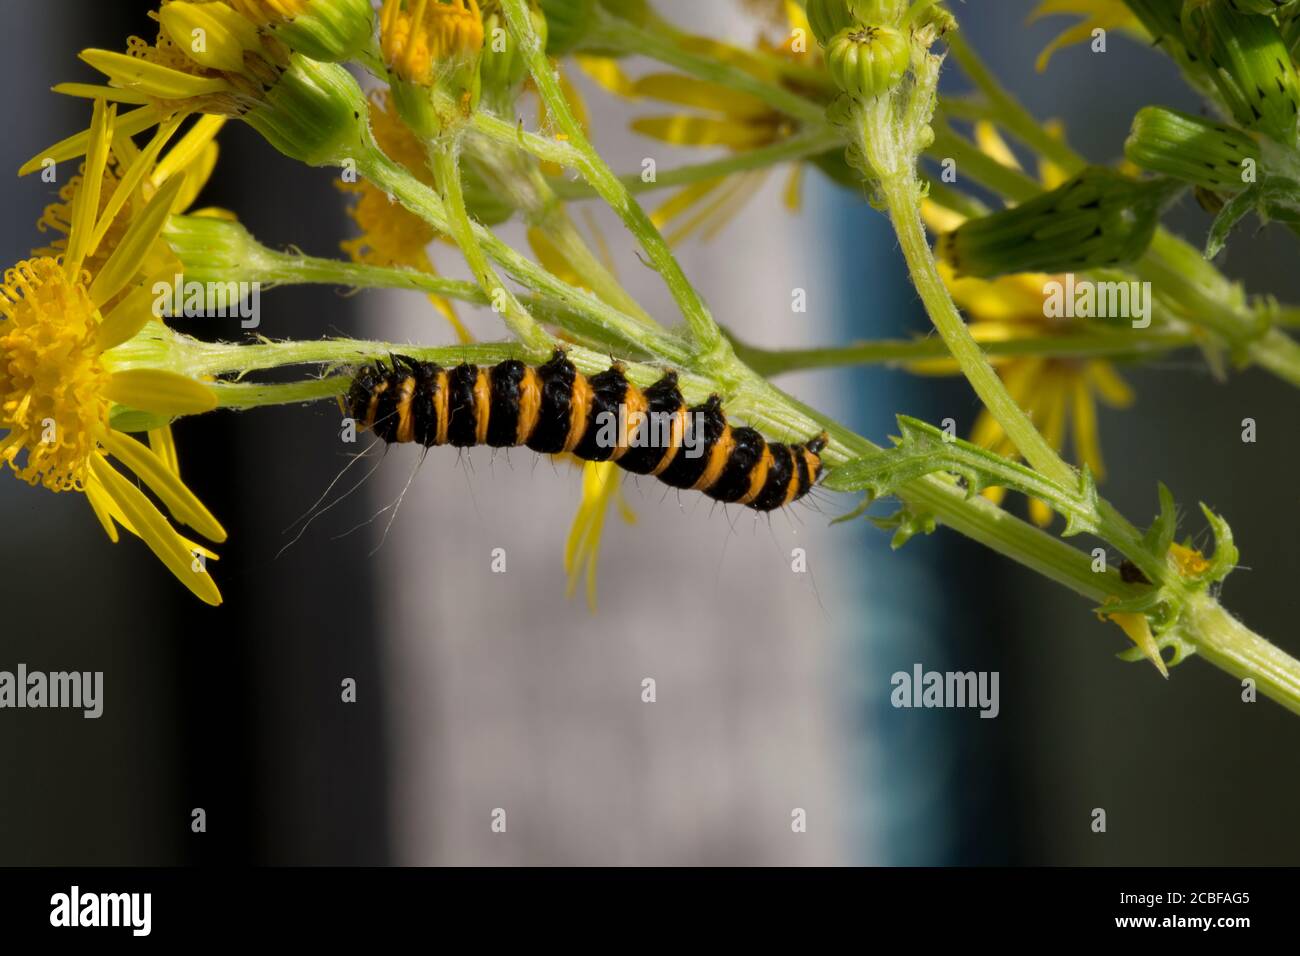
(902, 195)
(801, 146)
(705, 332)
(446, 171)
(901, 352)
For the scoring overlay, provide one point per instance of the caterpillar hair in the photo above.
(555, 408)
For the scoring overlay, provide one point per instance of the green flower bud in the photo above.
(878, 12)
(1210, 155)
(868, 61)
(1098, 218)
(215, 250)
(328, 30)
(501, 68)
(315, 114)
(1163, 20)
(1250, 66)
(567, 23)
(827, 18)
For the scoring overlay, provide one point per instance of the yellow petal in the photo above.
(1114, 391)
(85, 204)
(164, 482)
(94, 91)
(1087, 448)
(154, 531)
(196, 177)
(605, 72)
(794, 188)
(97, 500)
(550, 257)
(992, 144)
(130, 315)
(940, 219)
(140, 75)
(136, 121)
(160, 393)
(163, 444)
(133, 247)
(702, 131)
(188, 148)
(226, 34)
(683, 200)
(688, 91)
(131, 180)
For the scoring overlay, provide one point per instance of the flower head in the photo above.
(719, 117)
(60, 379)
(419, 38)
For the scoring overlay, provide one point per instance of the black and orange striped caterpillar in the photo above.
(555, 408)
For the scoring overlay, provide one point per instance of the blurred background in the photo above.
(478, 691)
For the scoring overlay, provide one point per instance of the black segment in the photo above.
(503, 424)
(733, 483)
(600, 438)
(692, 459)
(424, 404)
(801, 471)
(778, 480)
(662, 401)
(552, 429)
(462, 423)
(385, 426)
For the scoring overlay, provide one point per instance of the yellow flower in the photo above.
(600, 486)
(390, 234)
(721, 117)
(1057, 393)
(1099, 15)
(59, 379)
(417, 37)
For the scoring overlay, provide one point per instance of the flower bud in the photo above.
(567, 23)
(501, 67)
(1098, 218)
(327, 30)
(1250, 65)
(827, 18)
(1210, 155)
(315, 114)
(868, 61)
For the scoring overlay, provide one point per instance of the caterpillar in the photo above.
(555, 408)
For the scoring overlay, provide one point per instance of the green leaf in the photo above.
(925, 450)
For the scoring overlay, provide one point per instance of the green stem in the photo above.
(446, 170)
(902, 196)
(812, 143)
(425, 203)
(708, 337)
(1231, 646)
(895, 352)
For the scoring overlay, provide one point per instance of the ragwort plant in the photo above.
(848, 90)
